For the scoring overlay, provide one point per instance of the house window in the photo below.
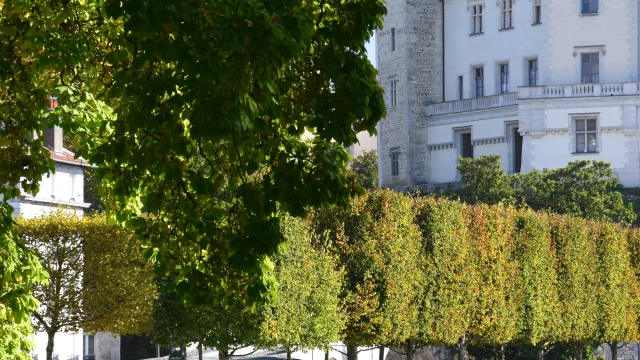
(478, 75)
(89, 346)
(589, 6)
(507, 15)
(393, 39)
(466, 147)
(460, 87)
(504, 78)
(476, 19)
(517, 150)
(537, 12)
(393, 93)
(532, 72)
(395, 162)
(586, 136)
(590, 68)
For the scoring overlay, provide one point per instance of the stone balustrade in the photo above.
(479, 103)
(577, 90)
(533, 93)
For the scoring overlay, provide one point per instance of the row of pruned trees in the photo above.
(392, 270)
(411, 272)
(424, 272)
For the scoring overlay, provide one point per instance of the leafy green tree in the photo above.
(618, 291)
(577, 262)
(364, 169)
(149, 86)
(307, 313)
(98, 281)
(586, 189)
(453, 278)
(268, 74)
(493, 229)
(379, 246)
(537, 283)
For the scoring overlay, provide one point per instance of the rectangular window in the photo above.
(537, 12)
(478, 74)
(590, 68)
(504, 78)
(517, 151)
(586, 136)
(393, 94)
(507, 16)
(89, 346)
(532, 72)
(476, 19)
(460, 87)
(589, 6)
(393, 39)
(467, 148)
(395, 162)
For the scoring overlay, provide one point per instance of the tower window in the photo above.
(395, 162)
(393, 39)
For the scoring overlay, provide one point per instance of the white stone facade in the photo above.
(565, 66)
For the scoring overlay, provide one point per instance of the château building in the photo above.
(540, 82)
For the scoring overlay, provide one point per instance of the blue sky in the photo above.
(371, 50)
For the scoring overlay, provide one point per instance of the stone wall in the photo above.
(417, 65)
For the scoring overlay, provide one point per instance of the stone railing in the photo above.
(485, 102)
(578, 90)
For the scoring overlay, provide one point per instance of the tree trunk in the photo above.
(352, 352)
(222, 355)
(288, 353)
(462, 349)
(381, 353)
(579, 349)
(326, 355)
(614, 350)
(501, 349)
(409, 350)
(540, 350)
(50, 339)
(200, 349)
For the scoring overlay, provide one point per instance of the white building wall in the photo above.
(615, 27)
(65, 345)
(463, 51)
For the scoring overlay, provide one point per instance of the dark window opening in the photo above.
(467, 147)
(590, 68)
(517, 153)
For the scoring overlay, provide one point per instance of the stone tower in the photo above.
(409, 52)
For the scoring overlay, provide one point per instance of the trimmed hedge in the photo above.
(491, 275)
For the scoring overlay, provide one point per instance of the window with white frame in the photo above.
(589, 6)
(504, 78)
(506, 16)
(460, 87)
(395, 161)
(590, 68)
(537, 12)
(532, 72)
(476, 19)
(586, 135)
(393, 39)
(478, 78)
(393, 94)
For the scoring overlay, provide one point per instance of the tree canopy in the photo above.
(147, 87)
(364, 169)
(98, 279)
(585, 189)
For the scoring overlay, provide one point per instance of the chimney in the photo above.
(53, 135)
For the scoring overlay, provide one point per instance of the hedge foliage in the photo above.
(436, 272)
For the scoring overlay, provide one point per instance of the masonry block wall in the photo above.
(416, 64)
